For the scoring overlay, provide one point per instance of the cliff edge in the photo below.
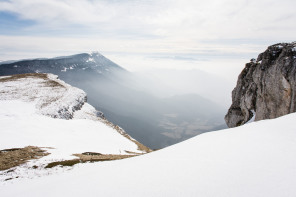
(266, 87)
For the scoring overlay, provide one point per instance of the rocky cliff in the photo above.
(266, 87)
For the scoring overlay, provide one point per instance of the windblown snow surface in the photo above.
(27, 105)
(257, 159)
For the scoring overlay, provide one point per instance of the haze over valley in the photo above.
(158, 111)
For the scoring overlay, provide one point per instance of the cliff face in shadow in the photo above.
(266, 87)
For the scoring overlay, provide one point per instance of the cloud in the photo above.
(97, 16)
(197, 19)
(152, 28)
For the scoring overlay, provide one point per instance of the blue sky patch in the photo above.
(10, 24)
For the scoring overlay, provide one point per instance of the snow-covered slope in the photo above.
(51, 96)
(28, 104)
(257, 159)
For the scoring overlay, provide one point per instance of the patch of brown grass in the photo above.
(101, 157)
(48, 82)
(63, 163)
(14, 157)
(88, 157)
(21, 76)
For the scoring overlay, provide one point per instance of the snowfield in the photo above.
(257, 159)
(21, 127)
(51, 96)
(27, 106)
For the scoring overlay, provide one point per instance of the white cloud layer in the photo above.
(197, 19)
(198, 29)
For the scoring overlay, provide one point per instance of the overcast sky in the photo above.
(139, 35)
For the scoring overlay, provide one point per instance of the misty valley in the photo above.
(156, 111)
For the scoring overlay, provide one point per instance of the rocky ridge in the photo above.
(266, 87)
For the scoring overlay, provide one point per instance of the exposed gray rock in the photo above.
(266, 86)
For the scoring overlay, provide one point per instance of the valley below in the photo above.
(130, 100)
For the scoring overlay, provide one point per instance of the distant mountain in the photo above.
(93, 64)
(155, 122)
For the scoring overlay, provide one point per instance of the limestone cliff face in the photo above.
(266, 86)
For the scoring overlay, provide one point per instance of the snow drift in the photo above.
(257, 159)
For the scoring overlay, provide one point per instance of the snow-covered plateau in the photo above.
(256, 159)
(28, 104)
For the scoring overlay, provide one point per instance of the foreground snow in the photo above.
(257, 159)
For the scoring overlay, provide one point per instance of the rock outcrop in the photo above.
(266, 87)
